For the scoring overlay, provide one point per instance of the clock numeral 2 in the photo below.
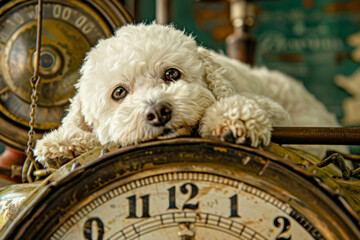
(183, 188)
(132, 206)
(88, 228)
(285, 228)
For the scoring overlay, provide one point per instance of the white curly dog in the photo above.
(153, 82)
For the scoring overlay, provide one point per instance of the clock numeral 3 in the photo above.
(285, 228)
(145, 206)
(88, 228)
(184, 190)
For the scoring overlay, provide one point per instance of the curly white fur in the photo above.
(224, 98)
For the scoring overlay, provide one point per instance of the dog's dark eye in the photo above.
(172, 74)
(119, 93)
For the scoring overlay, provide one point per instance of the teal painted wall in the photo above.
(308, 40)
(198, 19)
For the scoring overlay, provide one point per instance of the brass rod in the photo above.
(317, 135)
(163, 11)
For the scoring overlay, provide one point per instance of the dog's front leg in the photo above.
(61, 145)
(242, 118)
(73, 138)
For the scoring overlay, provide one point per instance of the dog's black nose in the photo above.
(158, 114)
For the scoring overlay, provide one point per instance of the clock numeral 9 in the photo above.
(184, 190)
(88, 228)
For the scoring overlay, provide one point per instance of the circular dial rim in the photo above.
(201, 190)
(108, 14)
(244, 164)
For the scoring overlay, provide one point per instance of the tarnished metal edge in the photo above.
(66, 173)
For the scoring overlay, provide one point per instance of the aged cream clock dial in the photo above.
(187, 204)
(185, 189)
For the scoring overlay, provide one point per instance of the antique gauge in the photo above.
(188, 189)
(70, 28)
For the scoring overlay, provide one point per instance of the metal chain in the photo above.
(30, 162)
(339, 160)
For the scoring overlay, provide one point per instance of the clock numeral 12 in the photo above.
(145, 206)
(183, 188)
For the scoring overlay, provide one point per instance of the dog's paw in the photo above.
(237, 119)
(57, 148)
(54, 154)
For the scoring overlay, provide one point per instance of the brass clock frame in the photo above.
(65, 23)
(321, 204)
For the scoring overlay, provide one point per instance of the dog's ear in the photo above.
(75, 117)
(218, 78)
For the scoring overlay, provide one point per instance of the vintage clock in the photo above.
(189, 188)
(70, 28)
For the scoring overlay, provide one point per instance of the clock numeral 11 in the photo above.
(145, 206)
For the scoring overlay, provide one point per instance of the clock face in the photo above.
(68, 33)
(184, 204)
(69, 30)
(184, 189)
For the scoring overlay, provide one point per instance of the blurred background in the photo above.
(315, 41)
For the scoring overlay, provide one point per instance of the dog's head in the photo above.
(145, 82)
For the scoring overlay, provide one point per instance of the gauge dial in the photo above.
(70, 28)
(185, 189)
(176, 205)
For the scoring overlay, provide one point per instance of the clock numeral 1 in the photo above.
(88, 228)
(172, 198)
(132, 206)
(234, 206)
